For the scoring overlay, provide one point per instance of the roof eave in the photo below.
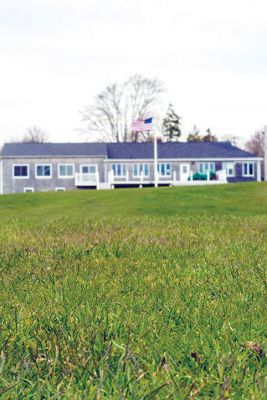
(54, 156)
(188, 159)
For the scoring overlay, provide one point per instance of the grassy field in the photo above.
(134, 294)
(237, 199)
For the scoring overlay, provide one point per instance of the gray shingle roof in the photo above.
(54, 149)
(123, 151)
(183, 150)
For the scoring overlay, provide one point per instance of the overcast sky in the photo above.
(56, 55)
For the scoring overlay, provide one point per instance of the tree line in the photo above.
(110, 116)
(113, 110)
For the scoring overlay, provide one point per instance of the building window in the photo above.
(248, 169)
(88, 169)
(139, 169)
(20, 171)
(203, 167)
(229, 167)
(66, 170)
(28, 190)
(164, 169)
(60, 189)
(119, 170)
(43, 171)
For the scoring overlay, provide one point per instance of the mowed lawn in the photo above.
(134, 294)
(233, 199)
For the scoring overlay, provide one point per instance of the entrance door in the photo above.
(88, 174)
(184, 172)
(88, 169)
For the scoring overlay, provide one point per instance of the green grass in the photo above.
(235, 199)
(134, 294)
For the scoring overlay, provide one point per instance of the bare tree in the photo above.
(255, 144)
(114, 109)
(209, 137)
(34, 134)
(194, 135)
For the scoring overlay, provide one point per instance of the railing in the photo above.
(117, 178)
(172, 179)
(87, 179)
(82, 179)
(221, 175)
(141, 179)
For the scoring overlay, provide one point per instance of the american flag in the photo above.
(142, 124)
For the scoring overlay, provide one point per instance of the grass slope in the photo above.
(131, 294)
(235, 199)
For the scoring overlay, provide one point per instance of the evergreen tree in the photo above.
(171, 124)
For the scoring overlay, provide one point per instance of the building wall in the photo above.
(239, 174)
(175, 168)
(11, 185)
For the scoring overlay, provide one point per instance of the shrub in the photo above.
(197, 176)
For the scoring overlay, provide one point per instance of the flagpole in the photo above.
(155, 159)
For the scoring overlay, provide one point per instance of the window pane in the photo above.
(92, 169)
(24, 171)
(168, 172)
(250, 169)
(245, 169)
(119, 169)
(21, 170)
(47, 170)
(114, 169)
(124, 170)
(145, 169)
(69, 170)
(43, 170)
(163, 169)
